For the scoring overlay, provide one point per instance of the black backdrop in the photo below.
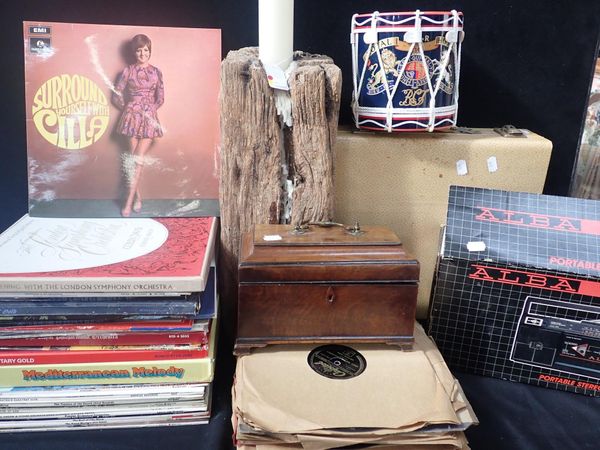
(526, 63)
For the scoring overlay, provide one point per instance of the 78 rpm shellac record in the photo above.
(338, 362)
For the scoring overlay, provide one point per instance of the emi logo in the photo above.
(39, 45)
(39, 30)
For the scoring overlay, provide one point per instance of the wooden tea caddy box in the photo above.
(324, 283)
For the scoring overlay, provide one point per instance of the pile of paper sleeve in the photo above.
(403, 399)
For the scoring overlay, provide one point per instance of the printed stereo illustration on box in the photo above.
(551, 334)
(517, 289)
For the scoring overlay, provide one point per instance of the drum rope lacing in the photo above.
(453, 37)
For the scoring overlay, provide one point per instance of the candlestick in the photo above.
(276, 32)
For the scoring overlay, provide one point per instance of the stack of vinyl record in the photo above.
(106, 323)
(298, 396)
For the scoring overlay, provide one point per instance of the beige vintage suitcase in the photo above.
(402, 181)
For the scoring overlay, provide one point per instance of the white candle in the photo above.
(276, 32)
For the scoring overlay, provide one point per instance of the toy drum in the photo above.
(406, 68)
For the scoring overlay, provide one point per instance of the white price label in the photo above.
(492, 164)
(276, 77)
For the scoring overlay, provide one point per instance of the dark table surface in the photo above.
(512, 416)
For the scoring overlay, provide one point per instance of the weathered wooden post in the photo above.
(272, 172)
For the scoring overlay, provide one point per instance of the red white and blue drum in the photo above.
(406, 68)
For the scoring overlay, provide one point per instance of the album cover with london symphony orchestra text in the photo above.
(77, 256)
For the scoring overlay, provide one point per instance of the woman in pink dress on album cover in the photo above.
(139, 92)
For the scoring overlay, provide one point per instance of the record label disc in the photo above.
(337, 362)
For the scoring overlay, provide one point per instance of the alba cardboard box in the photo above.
(525, 305)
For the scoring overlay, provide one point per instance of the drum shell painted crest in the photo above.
(382, 62)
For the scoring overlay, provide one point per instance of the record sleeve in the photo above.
(169, 306)
(106, 353)
(106, 338)
(91, 423)
(357, 386)
(95, 411)
(102, 123)
(176, 371)
(106, 255)
(197, 305)
(72, 396)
